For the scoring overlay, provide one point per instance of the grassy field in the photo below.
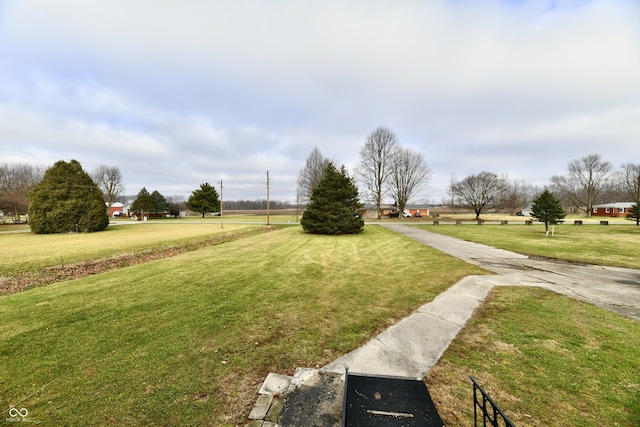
(187, 340)
(546, 359)
(614, 245)
(27, 251)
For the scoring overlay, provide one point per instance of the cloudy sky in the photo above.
(176, 93)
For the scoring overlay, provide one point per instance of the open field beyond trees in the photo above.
(187, 339)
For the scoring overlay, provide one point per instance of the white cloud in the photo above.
(230, 89)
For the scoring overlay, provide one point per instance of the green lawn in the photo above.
(546, 359)
(614, 245)
(23, 252)
(187, 340)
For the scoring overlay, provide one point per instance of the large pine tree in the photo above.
(203, 200)
(67, 200)
(143, 203)
(160, 202)
(335, 207)
(547, 209)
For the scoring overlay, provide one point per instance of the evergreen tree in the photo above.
(67, 200)
(160, 202)
(204, 200)
(635, 213)
(143, 203)
(547, 209)
(334, 207)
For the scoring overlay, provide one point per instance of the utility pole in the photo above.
(221, 219)
(268, 198)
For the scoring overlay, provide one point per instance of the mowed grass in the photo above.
(547, 360)
(187, 340)
(613, 245)
(22, 252)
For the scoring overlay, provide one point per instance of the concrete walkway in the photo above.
(612, 288)
(414, 345)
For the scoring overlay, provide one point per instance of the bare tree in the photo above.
(109, 179)
(311, 174)
(451, 192)
(630, 183)
(374, 168)
(176, 205)
(518, 195)
(481, 192)
(588, 178)
(16, 181)
(409, 174)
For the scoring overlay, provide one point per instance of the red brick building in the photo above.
(617, 209)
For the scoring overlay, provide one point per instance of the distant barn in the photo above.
(115, 209)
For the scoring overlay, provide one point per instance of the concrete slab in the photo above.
(261, 407)
(275, 384)
(376, 358)
(422, 338)
(303, 377)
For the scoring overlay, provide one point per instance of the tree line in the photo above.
(386, 170)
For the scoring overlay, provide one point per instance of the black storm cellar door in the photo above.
(373, 401)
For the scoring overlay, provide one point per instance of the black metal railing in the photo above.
(490, 410)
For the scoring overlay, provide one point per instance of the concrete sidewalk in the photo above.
(414, 345)
(411, 347)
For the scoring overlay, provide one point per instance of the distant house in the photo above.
(115, 209)
(617, 209)
(417, 210)
(390, 211)
(370, 211)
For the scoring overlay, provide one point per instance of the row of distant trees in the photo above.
(589, 180)
(67, 199)
(388, 171)
(18, 179)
